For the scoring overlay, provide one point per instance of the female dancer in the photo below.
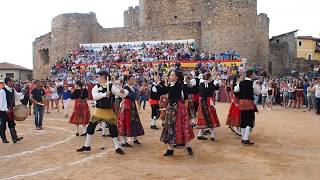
(177, 128)
(81, 112)
(207, 115)
(129, 124)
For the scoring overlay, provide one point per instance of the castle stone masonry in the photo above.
(216, 25)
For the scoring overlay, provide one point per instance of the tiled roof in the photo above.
(5, 65)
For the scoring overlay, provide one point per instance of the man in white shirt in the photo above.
(3, 111)
(7, 98)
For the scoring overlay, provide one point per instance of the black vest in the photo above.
(154, 95)
(10, 98)
(106, 102)
(246, 90)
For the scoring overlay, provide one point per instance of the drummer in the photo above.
(7, 103)
(37, 96)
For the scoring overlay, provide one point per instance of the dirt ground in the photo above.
(287, 147)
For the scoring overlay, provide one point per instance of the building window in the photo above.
(300, 43)
(175, 17)
(44, 56)
(278, 40)
(11, 75)
(309, 57)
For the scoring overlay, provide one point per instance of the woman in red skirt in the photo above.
(177, 127)
(207, 116)
(129, 124)
(233, 120)
(81, 112)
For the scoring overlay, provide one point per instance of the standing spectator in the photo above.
(300, 93)
(66, 97)
(270, 96)
(285, 94)
(257, 93)
(143, 95)
(47, 95)
(37, 96)
(292, 95)
(54, 96)
(317, 95)
(305, 92)
(311, 97)
(264, 93)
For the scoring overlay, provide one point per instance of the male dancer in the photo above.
(247, 107)
(154, 102)
(103, 94)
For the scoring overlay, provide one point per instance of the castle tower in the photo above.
(263, 40)
(164, 12)
(229, 24)
(69, 30)
(132, 17)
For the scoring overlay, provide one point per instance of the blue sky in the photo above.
(22, 21)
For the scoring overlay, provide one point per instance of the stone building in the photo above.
(292, 53)
(216, 25)
(18, 73)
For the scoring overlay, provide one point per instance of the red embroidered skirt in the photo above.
(163, 103)
(129, 124)
(81, 113)
(207, 116)
(234, 115)
(177, 127)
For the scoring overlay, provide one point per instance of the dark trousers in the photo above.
(247, 119)
(155, 112)
(38, 116)
(4, 119)
(112, 128)
(318, 105)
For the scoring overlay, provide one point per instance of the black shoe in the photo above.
(190, 152)
(126, 145)
(19, 138)
(168, 153)
(154, 127)
(247, 142)
(84, 149)
(212, 139)
(119, 151)
(77, 134)
(99, 129)
(106, 135)
(206, 132)
(136, 142)
(202, 138)
(5, 141)
(14, 135)
(84, 134)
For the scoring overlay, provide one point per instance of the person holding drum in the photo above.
(37, 96)
(7, 103)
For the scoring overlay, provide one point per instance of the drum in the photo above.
(20, 112)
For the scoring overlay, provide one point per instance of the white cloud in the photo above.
(22, 21)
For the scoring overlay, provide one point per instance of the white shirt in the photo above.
(17, 96)
(3, 101)
(317, 92)
(237, 88)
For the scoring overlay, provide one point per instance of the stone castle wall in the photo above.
(216, 25)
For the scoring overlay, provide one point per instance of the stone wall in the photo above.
(41, 69)
(230, 24)
(279, 55)
(168, 32)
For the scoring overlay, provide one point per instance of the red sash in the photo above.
(153, 102)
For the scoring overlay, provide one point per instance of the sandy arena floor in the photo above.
(287, 147)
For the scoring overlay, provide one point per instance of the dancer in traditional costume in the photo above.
(189, 90)
(207, 116)
(154, 103)
(177, 126)
(81, 111)
(129, 124)
(104, 93)
(233, 119)
(195, 83)
(247, 107)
